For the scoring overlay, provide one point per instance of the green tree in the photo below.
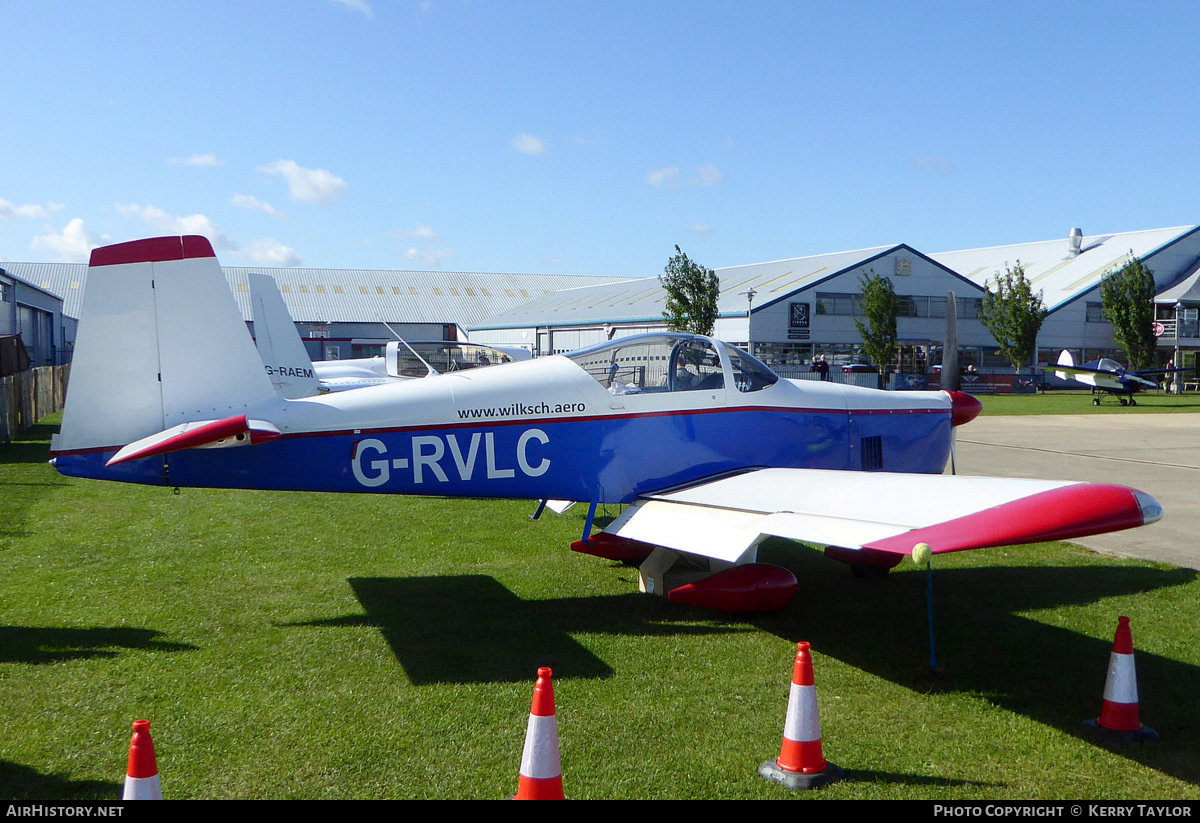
(692, 295)
(1127, 297)
(1013, 314)
(877, 299)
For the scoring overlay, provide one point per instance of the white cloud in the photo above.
(246, 201)
(317, 187)
(700, 228)
(665, 178)
(528, 144)
(10, 212)
(421, 232)
(270, 252)
(190, 224)
(428, 257)
(74, 244)
(707, 175)
(199, 160)
(359, 6)
(669, 177)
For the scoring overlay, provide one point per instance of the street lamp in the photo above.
(750, 292)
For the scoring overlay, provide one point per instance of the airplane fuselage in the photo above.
(546, 429)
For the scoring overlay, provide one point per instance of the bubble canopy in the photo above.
(671, 362)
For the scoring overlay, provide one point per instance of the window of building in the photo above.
(838, 303)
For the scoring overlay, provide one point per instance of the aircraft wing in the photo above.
(1082, 374)
(878, 511)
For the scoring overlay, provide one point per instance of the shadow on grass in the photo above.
(31, 445)
(19, 783)
(1050, 674)
(891, 778)
(471, 629)
(29, 644)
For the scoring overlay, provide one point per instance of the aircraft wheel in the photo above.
(864, 572)
(1095, 401)
(1122, 401)
(1132, 402)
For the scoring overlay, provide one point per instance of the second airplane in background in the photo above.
(294, 374)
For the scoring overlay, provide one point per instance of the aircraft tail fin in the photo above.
(283, 353)
(1065, 359)
(161, 342)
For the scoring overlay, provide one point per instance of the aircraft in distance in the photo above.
(1109, 376)
(295, 375)
(710, 449)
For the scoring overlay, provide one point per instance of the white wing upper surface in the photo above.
(889, 512)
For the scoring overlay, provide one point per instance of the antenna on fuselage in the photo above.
(430, 369)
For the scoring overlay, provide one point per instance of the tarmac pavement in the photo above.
(1156, 453)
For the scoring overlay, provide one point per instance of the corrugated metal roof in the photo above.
(640, 301)
(44, 276)
(351, 295)
(1049, 265)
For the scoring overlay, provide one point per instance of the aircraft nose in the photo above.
(963, 408)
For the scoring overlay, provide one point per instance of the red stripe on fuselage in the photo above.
(544, 421)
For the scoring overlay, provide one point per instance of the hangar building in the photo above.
(786, 311)
(37, 316)
(344, 313)
(792, 310)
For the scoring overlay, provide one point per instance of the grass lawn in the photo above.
(340, 646)
(1080, 402)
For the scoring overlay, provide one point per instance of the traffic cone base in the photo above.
(1143, 735)
(772, 771)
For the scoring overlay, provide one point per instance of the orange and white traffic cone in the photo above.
(1119, 711)
(800, 764)
(141, 778)
(541, 773)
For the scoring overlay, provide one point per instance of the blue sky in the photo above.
(589, 138)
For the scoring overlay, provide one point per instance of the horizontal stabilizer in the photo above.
(232, 431)
(890, 512)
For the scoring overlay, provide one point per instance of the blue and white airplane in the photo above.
(712, 452)
(1109, 376)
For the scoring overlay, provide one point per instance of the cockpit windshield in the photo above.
(748, 373)
(651, 363)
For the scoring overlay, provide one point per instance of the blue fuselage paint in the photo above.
(607, 458)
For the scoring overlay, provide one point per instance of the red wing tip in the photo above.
(152, 250)
(1063, 513)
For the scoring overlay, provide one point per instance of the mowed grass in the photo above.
(1070, 401)
(326, 646)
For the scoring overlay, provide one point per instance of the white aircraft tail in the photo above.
(161, 342)
(1065, 359)
(287, 362)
